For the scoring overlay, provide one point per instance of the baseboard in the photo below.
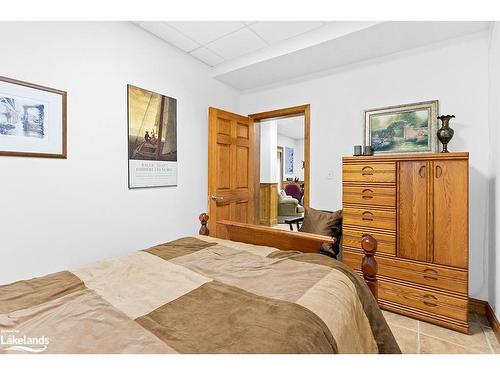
(483, 308)
(492, 318)
(477, 306)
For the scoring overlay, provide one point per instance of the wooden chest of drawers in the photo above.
(416, 207)
(372, 195)
(369, 218)
(367, 172)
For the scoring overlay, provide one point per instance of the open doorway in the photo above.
(282, 165)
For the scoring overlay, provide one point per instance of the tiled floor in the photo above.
(414, 336)
(282, 227)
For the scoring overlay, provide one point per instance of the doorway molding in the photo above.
(304, 110)
(281, 152)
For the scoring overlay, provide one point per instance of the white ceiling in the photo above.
(249, 55)
(214, 42)
(292, 127)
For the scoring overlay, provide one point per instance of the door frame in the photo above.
(281, 153)
(304, 110)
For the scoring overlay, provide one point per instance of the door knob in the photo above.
(216, 198)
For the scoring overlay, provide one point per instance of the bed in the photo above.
(250, 293)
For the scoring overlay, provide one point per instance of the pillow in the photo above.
(283, 194)
(326, 223)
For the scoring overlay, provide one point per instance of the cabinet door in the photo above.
(451, 181)
(412, 212)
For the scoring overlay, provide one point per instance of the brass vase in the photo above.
(445, 133)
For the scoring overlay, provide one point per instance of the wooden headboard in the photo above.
(299, 241)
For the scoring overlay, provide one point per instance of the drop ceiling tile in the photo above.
(207, 56)
(206, 31)
(169, 34)
(276, 31)
(237, 44)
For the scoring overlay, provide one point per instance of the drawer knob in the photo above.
(367, 171)
(430, 274)
(430, 300)
(367, 216)
(367, 194)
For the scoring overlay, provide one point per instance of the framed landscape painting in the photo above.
(152, 139)
(32, 120)
(402, 129)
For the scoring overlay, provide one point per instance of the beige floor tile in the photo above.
(439, 340)
(476, 340)
(481, 319)
(432, 345)
(282, 227)
(406, 339)
(492, 338)
(400, 320)
(496, 349)
(473, 317)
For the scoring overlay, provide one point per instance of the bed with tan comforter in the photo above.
(196, 295)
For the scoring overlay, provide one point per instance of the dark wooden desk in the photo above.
(295, 220)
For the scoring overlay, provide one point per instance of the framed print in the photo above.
(288, 160)
(152, 139)
(405, 128)
(32, 120)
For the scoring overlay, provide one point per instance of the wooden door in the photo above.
(230, 169)
(413, 210)
(450, 180)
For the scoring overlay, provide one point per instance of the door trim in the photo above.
(281, 153)
(304, 110)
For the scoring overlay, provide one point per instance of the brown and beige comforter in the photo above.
(196, 295)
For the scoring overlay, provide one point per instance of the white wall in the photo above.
(298, 155)
(56, 214)
(455, 73)
(269, 140)
(268, 145)
(494, 121)
(299, 158)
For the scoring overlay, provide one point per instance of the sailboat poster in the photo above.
(152, 139)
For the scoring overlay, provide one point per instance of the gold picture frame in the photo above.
(406, 128)
(32, 120)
